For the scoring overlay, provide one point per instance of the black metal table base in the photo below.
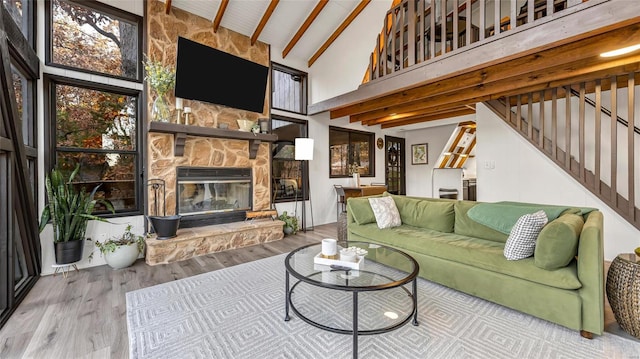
(355, 332)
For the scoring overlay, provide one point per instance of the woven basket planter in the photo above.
(623, 292)
(342, 226)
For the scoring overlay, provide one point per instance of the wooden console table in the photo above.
(363, 191)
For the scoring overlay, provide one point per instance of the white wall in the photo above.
(342, 66)
(522, 173)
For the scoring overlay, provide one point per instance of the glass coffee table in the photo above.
(333, 299)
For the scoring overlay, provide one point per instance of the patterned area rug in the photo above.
(238, 312)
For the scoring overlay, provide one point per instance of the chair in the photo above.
(340, 201)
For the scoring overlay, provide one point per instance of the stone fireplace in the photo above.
(180, 154)
(213, 195)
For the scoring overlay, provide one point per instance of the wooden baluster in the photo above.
(513, 14)
(550, 7)
(411, 32)
(507, 109)
(631, 145)
(432, 40)
(496, 18)
(530, 116)
(455, 35)
(421, 28)
(541, 127)
(598, 134)
(567, 130)
(387, 30)
(400, 21)
(443, 26)
(530, 10)
(394, 19)
(519, 112)
(554, 123)
(614, 141)
(581, 132)
(469, 39)
(482, 16)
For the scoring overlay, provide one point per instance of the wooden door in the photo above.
(395, 165)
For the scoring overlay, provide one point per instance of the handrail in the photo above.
(606, 111)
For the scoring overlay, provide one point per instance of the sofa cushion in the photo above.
(361, 210)
(423, 213)
(385, 211)
(475, 252)
(466, 226)
(522, 240)
(557, 244)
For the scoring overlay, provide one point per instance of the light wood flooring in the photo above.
(83, 316)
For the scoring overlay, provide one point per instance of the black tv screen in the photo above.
(206, 74)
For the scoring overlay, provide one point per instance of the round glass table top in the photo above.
(371, 275)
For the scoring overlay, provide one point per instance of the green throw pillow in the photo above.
(361, 211)
(557, 243)
(468, 227)
(424, 213)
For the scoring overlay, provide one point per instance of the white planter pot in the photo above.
(122, 257)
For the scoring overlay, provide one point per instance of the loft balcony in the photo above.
(414, 76)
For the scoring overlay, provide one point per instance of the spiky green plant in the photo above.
(69, 209)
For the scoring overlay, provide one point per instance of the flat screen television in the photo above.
(206, 74)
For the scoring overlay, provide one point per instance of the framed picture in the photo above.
(420, 154)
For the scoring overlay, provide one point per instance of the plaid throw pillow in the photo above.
(522, 240)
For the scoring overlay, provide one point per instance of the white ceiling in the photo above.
(243, 16)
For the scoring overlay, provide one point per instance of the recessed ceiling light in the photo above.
(622, 51)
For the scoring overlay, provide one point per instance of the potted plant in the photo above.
(290, 223)
(121, 252)
(69, 210)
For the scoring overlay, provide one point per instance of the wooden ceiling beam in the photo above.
(565, 54)
(414, 115)
(552, 77)
(462, 112)
(167, 7)
(304, 27)
(219, 15)
(265, 18)
(421, 111)
(339, 30)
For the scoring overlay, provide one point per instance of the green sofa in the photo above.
(460, 253)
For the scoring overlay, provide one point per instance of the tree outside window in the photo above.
(287, 173)
(350, 151)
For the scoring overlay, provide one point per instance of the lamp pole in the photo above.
(304, 153)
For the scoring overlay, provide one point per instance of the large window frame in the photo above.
(102, 8)
(287, 189)
(351, 148)
(50, 83)
(297, 76)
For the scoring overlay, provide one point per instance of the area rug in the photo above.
(238, 312)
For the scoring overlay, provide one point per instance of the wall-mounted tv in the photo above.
(206, 74)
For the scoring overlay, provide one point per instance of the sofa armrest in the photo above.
(591, 273)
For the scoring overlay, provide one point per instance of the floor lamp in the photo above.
(304, 153)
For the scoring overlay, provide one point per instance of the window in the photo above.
(286, 171)
(289, 89)
(93, 37)
(96, 126)
(350, 148)
(21, 12)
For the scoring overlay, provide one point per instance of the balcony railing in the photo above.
(413, 30)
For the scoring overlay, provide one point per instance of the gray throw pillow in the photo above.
(521, 243)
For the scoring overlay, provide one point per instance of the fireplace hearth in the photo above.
(209, 196)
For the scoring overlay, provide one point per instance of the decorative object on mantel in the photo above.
(180, 133)
(188, 118)
(161, 79)
(164, 226)
(255, 128)
(178, 114)
(264, 125)
(245, 125)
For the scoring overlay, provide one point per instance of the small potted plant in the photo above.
(290, 223)
(69, 210)
(121, 252)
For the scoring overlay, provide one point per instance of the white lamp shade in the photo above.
(304, 149)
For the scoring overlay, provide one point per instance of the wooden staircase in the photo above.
(595, 144)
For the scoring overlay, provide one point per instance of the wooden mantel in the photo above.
(180, 133)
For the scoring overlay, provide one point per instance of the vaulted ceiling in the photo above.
(302, 28)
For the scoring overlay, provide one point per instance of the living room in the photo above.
(508, 167)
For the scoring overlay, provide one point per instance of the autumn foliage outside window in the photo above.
(93, 123)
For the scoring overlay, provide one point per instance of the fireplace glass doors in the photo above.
(213, 195)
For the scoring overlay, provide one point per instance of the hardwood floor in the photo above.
(83, 316)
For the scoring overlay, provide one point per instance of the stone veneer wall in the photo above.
(163, 31)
